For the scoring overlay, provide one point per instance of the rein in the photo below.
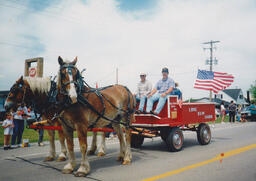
(82, 100)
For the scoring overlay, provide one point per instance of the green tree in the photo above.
(253, 91)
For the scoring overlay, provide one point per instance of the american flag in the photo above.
(214, 81)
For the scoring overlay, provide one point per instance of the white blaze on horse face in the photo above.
(72, 90)
(8, 103)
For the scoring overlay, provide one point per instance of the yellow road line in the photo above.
(218, 157)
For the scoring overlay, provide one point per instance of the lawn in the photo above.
(32, 135)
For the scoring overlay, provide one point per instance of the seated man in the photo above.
(143, 89)
(163, 88)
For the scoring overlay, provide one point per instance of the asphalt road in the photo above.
(152, 161)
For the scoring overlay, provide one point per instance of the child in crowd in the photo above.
(8, 130)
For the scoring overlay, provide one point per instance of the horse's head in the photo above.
(17, 94)
(69, 82)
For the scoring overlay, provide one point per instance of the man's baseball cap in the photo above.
(165, 70)
(142, 74)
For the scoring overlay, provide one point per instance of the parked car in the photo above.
(247, 113)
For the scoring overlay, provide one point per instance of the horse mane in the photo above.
(42, 85)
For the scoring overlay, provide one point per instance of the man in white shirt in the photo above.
(144, 87)
(19, 116)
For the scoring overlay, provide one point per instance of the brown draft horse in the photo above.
(86, 107)
(35, 91)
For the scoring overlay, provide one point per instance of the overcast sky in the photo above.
(131, 35)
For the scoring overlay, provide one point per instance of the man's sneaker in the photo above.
(40, 144)
(5, 147)
(14, 146)
(20, 145)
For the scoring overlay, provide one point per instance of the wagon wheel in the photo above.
(175, 139)
(204, 135)
(136, 141)
(164, 132)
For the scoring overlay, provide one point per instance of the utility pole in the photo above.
(116, 75)
(210, 62)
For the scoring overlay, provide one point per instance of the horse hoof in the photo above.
(119, 159)
(61, 159)
(100, 154)
(80, 174)
(49, 159)
(91, 152)
(67, 171)
(126, 162)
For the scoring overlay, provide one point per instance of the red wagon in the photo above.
(173, 119)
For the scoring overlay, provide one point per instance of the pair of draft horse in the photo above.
(78, 107)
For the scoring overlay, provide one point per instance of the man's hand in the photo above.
(163, 94)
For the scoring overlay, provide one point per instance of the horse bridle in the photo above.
(77, 82)
(19, 87)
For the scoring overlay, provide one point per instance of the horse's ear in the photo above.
(74, 61)
(60, 60)
(20, 79)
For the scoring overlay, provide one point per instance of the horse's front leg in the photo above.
(94, 144)
(120, 135)
(102, 149)
(70, 166)
(52, 152)
(84, 168)
(63, 155)
(128, 154)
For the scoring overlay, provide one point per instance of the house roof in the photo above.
(4, 93)
(206, 99)
(233, 93)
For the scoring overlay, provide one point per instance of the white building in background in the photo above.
(235, 95)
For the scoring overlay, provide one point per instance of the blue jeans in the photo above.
(154, 98)
(41, 135)
(17, 131)
(142, 101)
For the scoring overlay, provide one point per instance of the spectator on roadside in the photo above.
(19, 116)
(37, 118)
(222, 112)
(232, 111)
(144, 87)
(8, 130)
(253, 111)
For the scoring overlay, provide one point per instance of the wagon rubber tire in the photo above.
(136, 141)
(175, 140)
(164, 132)
(204, 135)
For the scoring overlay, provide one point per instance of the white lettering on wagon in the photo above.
(208, 117)
(200, 113)
(192, 109)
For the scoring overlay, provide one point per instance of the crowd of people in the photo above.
(234, 112)
(14, 127)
